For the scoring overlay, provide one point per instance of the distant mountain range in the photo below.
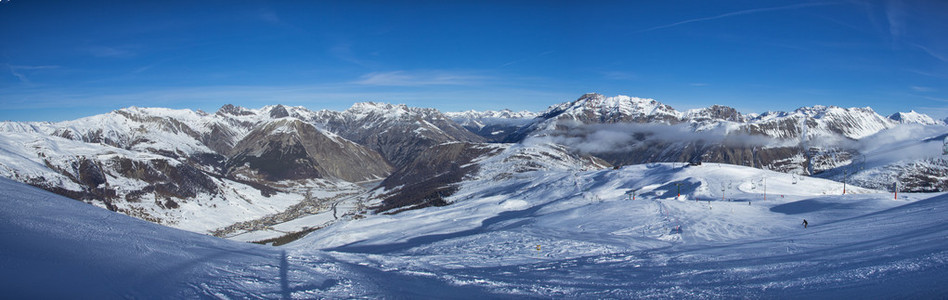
(207, 171)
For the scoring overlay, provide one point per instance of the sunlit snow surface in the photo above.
(593, 243)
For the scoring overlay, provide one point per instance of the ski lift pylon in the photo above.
(945, 147)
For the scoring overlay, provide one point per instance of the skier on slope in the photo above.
(804, 223)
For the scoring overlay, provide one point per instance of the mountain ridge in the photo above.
(174, 165)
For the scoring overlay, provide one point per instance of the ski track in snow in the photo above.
(593, 243)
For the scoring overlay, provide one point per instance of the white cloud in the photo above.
(936, 54)
(895, 14)
(739, 13)
(921, 88)
(935, 99)
(19, 71)
(415, 78)
(344, 52)
(111, 52)
(620, 75)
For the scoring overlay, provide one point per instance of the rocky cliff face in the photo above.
(397, 132)
(432, 175)
(290, 149)
(436, 173)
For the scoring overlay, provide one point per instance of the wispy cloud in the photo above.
(416, 78)
(111, 52)
(922, 88)
(18, 75)
(938, 112)
(270, 16)
(619, 75)
(344, 52)
(936, 99)
(739, 13)
(936, 54)
(19, 71)
(929, 74)
(895, 15)
(514, 62)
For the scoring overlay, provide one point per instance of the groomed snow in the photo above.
(560, 233)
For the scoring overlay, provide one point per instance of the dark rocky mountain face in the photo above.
(496, 132)
(291, 149)
(104, 178)
(432, 176)
(716, 113)
(399, 133)
(493, 126)
(438, 172)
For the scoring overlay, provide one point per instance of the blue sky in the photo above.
(68, 59)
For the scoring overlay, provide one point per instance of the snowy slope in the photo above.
(144, 185)
(60, 248)
(914, 117)
(57, 248)
(558, 233)
(188, 169)
(910, 155)
(577, 234)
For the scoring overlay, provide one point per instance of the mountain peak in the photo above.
(376, 106)
(716, 112)
(278, 112)
(230, 109)
(620, 108)
(913, 117)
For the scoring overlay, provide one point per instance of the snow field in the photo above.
(594, 243)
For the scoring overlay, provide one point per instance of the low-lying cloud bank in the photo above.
(608, 138)
(907, 141)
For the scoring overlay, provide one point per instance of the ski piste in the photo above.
(593, 243)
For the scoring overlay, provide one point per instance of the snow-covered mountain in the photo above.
(913, 117)
(178, 167)
(819, 121)
(906, 158)
(171, 187)
(541, 217)
(628, 130)
(494, 126)
(491, 114)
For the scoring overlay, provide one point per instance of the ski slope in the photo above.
(572, 234)
(577, 234)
